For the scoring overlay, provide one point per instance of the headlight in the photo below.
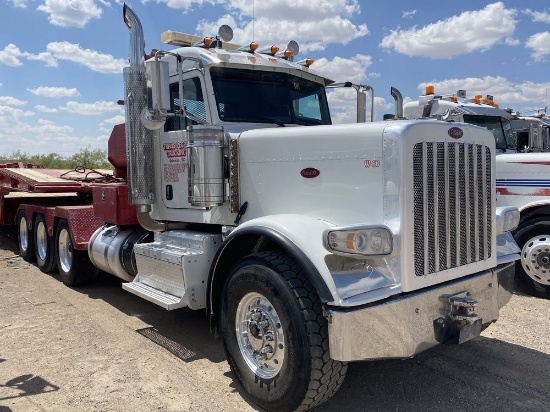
(367, 241)
(507, 219)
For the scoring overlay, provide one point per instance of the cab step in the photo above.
(173, 269)
(153, 295)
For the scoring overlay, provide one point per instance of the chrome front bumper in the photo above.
(413, 323)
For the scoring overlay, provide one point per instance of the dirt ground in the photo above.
(99, 348)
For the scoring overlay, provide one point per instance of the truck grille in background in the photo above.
(452, 205)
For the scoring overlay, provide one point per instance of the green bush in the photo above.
(88, 158)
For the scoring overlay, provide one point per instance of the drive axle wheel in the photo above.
(533, 269)
(25, 238)
(74, 265)
(275, 335)
(44, 245)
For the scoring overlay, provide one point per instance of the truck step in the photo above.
(153, 295)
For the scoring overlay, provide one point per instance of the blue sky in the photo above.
(61, 60)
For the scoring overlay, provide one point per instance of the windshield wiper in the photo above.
(308, 121)
(270, 120)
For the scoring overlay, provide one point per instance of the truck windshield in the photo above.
(255, 96)
(500, 129)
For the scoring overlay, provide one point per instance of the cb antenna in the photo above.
(253, 18)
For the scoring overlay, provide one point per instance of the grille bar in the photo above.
(452, 205)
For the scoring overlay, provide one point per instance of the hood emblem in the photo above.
(310, 172)
(455, 132)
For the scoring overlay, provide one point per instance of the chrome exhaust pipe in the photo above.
(396, 94)
(139, 140)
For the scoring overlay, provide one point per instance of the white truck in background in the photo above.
(522, 172)
(532, 133)
(307, 247)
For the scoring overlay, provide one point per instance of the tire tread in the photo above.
(327, 375)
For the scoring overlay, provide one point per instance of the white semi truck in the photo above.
(308, 247)
(522, 172)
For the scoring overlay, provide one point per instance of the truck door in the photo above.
(173, 141)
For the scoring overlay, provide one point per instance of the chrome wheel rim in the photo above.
(23, 234)
(65, 250)
(41, 240)
(260, 335)
(535, 259)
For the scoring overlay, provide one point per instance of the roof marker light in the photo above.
(272, 50)
(306, 62)
(430, 89)
(252, 47)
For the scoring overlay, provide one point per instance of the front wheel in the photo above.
(44, 245)
(74, 265)
(533, 269)
(275, 335)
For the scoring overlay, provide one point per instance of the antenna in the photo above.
(253, 18)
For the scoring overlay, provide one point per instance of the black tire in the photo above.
(25, 238)
(74, 266)
(44, 246)
(533, 268)
(284, 312)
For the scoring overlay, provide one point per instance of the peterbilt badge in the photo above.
(310, 172)
(455, 132)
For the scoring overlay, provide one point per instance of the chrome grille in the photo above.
(452, 205)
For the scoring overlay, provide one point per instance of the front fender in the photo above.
(301, 237)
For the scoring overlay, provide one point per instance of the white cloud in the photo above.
(408, 14)
(538, 16)
(44, 57)
(92, 109)
(7, 114)
(187, 4)
(341, 69)
(539, 44)
(313, 23)
(55, 92)
(70, 13)
(468, 32)
(114, 120)
(45, 109)
(106, 126)
(19, 3)
(94, 60)
(12, 101)
(10, 55)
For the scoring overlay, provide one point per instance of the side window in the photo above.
(193, 101)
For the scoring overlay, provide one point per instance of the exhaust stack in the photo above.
(396, 94)
(139, 140)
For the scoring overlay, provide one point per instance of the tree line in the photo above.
(88, 158)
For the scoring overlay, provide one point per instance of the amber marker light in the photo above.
(430, 89)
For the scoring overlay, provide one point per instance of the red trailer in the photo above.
(56, 212)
